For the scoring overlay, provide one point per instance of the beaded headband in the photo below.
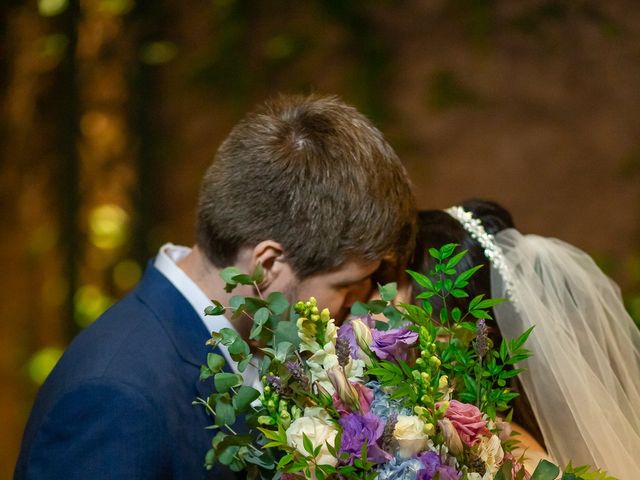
(492, 251)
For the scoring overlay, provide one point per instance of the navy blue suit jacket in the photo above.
(118, 403)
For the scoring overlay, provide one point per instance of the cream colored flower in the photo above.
(451, 438)
(489, 450)
(324, 359)
(410, 434)
(316, 425)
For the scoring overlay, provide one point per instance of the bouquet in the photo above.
(410, 397)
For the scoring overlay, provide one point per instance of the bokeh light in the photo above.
(42, 362)
(126, 274)
(108, 226)
(89, 302)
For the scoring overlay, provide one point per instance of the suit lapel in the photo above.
(181, 322)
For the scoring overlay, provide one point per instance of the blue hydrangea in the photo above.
(383, 406)
(398, 469)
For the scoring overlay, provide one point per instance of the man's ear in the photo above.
(269, 254)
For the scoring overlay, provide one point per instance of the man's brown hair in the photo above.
(312, 174)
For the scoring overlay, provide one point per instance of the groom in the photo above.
(304, 186)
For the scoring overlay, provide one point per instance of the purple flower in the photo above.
(393, 344)
(346, 332)
(358, 429)
(431, 465)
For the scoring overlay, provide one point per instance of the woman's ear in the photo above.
(270, 255)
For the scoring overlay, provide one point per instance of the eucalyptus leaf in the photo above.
(242, 364)
(242, 400)
(228, 273)
(215, 362)
(225, 381)
(359, 309)
(286, 332)
(236, 301)
(389, 291)
(228, 336)
(216, 309)
(261, 316)
(225, 413)
(257, 275)
(277, 303)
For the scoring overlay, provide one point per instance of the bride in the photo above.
(580, 393)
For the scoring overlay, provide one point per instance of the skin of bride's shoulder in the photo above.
(529, 446)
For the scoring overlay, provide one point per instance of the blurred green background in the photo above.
(112, 109)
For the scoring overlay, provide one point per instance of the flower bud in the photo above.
(362, 333)
(451, 438)
(346, 392)
(266, 420)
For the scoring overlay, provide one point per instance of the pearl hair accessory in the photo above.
(492, 251)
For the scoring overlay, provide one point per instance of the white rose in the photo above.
(315, 424)
(489, 450)
(409, 432)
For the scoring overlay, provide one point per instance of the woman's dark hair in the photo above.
(436, 228)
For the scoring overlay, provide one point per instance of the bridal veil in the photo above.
(583, 379)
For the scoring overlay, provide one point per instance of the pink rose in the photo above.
(467, 420)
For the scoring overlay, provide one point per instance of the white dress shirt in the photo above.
(166, 262)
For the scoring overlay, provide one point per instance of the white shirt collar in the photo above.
(166, 262)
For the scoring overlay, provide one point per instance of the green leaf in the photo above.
(458, 293)
(284, 461)
(214, 340)
(452, 262)
(422, 280)
(278, 303)
(480, 314)
(261, 316)
(490, 302)
(545, 471)
(236, 301)
(239, 349)
(308, 446)
(228, 455)
(257, 275)
(205, 373)
(225, 413)
(389, 291)
(228, 336)
(225, 381)
(255, 332)
(394, 316)
(467, 274)
(242, 279)
(447, 250)
(242, 400)
(216, 309)
(518, 342)
(456, 314)
(434, 253)
(228, 273)
(282, 351)
(286, 332)
(242, 364)
(215, 362)
(359, 309)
